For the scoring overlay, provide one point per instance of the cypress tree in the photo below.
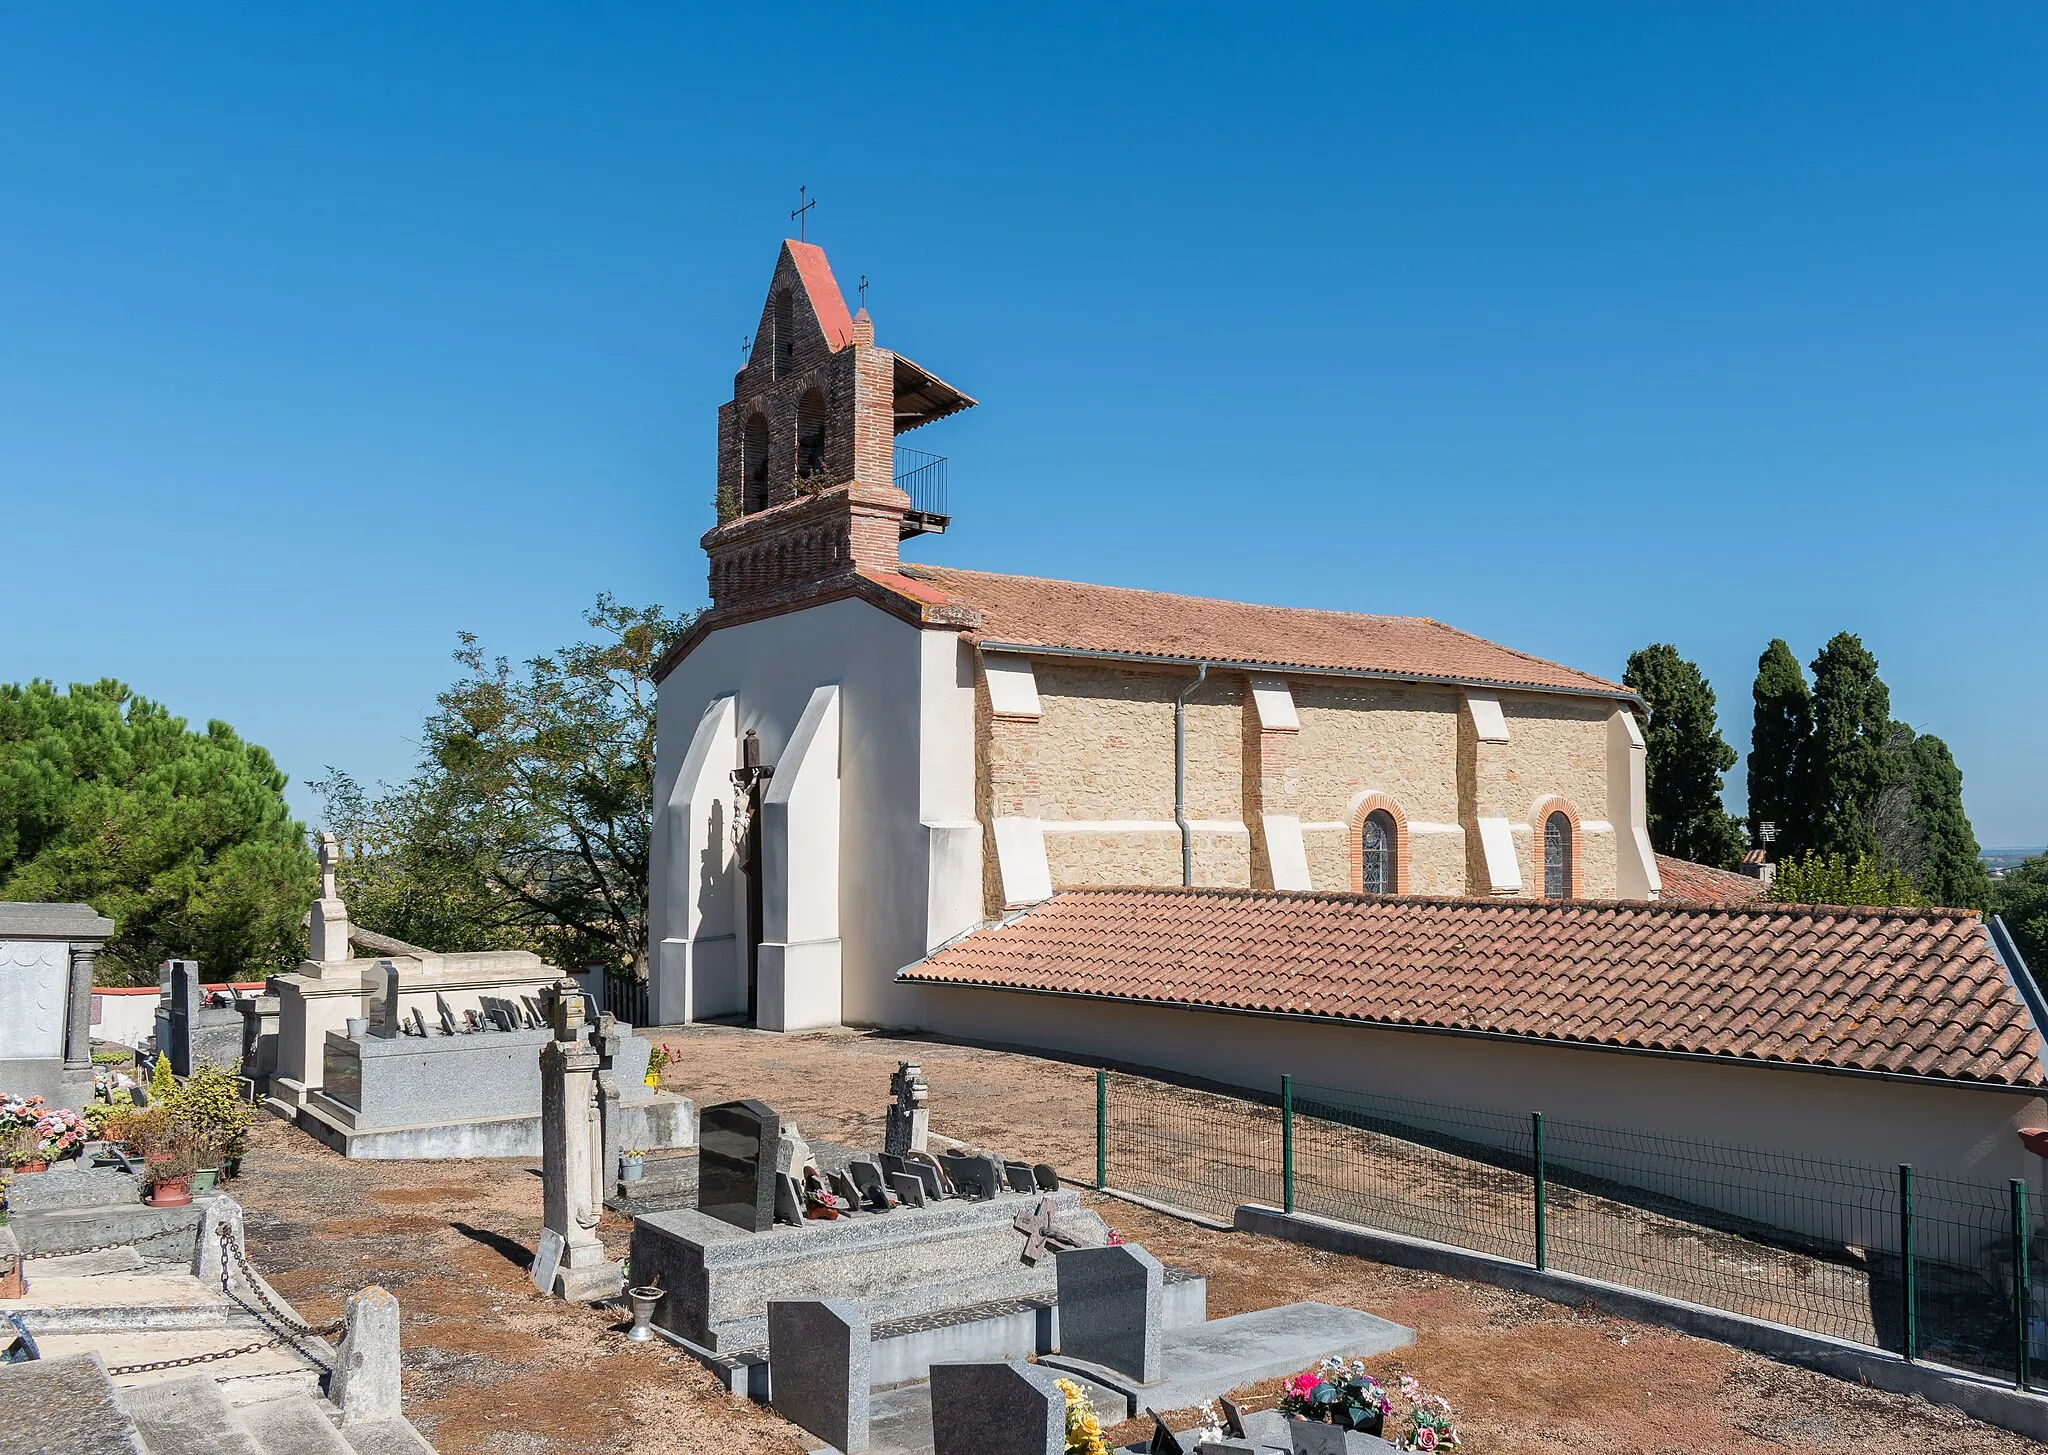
(1686, 756)
(1852, 728)
(1950, 871)
(1780, 752)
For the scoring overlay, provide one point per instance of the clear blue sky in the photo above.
(329, 331)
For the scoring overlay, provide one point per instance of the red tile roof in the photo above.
(1905, 991)
(1030, 611)
(826, 299)
(1687, 882)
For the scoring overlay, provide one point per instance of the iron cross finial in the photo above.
(807, 203)
(863, 290)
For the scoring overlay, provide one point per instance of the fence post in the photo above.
(1909, 1314)
(1542, 1235)
(1101, 1129)
(2022, 1295)
(1287, 1143)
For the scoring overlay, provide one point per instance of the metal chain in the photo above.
(232, 1248)
(191, 1359)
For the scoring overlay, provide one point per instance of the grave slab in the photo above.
(1206, 1360)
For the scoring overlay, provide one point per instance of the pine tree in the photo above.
(1852, 729)
(1780, 752)
(1685, 760)
(1950, 871)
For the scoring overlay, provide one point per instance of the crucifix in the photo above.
(1039, 1238)
(798, 217)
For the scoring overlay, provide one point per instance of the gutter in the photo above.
(1509, 1037)
(1289, 669)
(1180, 776)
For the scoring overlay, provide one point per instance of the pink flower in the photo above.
(1425, 1438)
(1302, 1385)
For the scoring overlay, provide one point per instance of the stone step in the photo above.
(64, 1406)
(273, 1372)
(59, 1304)
(153, 1229)
(91, 1265)
(386, 1437)
(68, 1185)
(295, 1426)
(187, 1415)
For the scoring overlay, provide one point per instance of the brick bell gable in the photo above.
(806, 446)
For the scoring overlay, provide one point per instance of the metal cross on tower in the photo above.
(863, 290)
(807, 203)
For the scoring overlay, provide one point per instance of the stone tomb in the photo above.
(46, 965)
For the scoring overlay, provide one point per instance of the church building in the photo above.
(920, 750)
(1236, 841)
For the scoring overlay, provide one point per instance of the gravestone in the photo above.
(1019, 1177)
(818, 1368)
(909, 1190)
(571, 1150)
(909, 1110)
(975, 1176)
(387, 1012)
(1011, 1408)
(1111, 1307)
(736, 1149)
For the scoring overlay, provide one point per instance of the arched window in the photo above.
(783, 354)
(1557, 856)
(810, 433)
(1377, 841)
(754, 463)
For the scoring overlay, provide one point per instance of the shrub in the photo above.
(161, 1080)
(209, 1105)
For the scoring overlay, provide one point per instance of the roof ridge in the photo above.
(1928, 913)
(939, 572)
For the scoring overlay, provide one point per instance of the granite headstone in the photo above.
(1010, 1408)
(1111, 1303)
(736, 1163)
(818, 1368)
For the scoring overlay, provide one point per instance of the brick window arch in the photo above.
(1554, 846)
(1377, 846)
(754, 464)
(810, 433)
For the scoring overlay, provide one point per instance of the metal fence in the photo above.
(1920, 1265)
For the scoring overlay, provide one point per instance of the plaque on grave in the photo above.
(938, 1184)
(975, 1176)
(736, 1163)
(547, 1260)
(909, 1189)
(1019, 1177)
(1047, 1179)
(865, 1174)
(846, 1187)
(789, 1203)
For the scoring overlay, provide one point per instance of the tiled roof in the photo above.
(1912, 992)
(1032, 611)
(826, 299)
(1692, 883)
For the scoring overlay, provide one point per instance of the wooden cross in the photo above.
(797, 216)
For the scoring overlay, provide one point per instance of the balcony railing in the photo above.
(922, 477)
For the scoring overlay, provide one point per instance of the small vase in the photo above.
(205, 1180)
(171, 1192)
(632, 1169)
(643, 1300)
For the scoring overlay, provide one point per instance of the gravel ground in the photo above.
(493, 1366)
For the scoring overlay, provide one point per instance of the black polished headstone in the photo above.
(1047, 1179)
(1019, 1177)
(736, 1163)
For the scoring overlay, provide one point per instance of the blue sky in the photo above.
(327, 332)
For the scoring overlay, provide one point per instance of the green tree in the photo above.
(1950, 871)
(1686, 756)
(1852, 759)
(528, 821)
(2021, 900)
(1839, 879)
(182, 838)
(1781, 752)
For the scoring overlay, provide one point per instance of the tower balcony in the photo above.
(922, 477)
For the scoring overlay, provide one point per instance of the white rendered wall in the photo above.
(800, 955)
(908, 868)
(1628, 809)
(695, 966)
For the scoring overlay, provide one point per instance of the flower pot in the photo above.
(171, 1192)
(356, 1027)
(205, 1180)
(33, 1164)
(643, 1300)
(632, 1169)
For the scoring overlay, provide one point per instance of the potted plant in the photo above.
(60, 1134)
(168, 1175)
(1339, 1394)
(632, 1164)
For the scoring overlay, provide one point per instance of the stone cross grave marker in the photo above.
(1111, 1302)
(736, 1147)
(1039, 1239)
(571, 1154)
(909, 1121)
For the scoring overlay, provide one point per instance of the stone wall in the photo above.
(1095, 768)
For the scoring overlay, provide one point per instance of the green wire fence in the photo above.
(1919, 1264)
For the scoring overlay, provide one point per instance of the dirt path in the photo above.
(495, 1368)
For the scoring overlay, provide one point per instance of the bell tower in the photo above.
(808, 489)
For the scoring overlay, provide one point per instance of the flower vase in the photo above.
(632, 1169)
(643, 1300)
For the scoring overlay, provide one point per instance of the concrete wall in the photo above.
(1945, 1131)
(907, 863)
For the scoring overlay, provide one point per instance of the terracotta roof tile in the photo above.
(1913, 991)
(1033, 612)
(1698, 884)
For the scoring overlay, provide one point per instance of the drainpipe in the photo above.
(1180, 775)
